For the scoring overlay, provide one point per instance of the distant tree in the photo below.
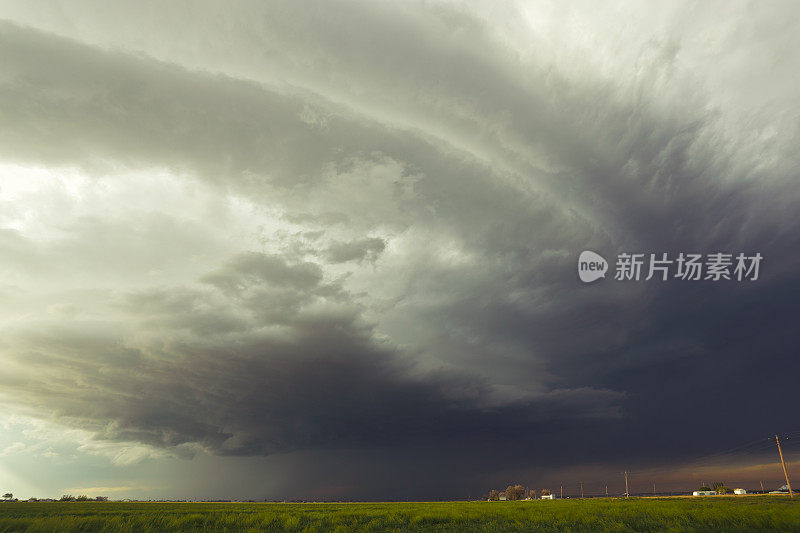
(721, 488)
(101, 499)
(494, 495)
(545, 492)
(705, 487)
(532, 494)
(517, 492)
(82, 498)
(8, 496)
(67, 498)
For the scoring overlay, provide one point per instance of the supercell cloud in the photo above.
(349, 230)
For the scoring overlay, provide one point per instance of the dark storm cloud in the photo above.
(240, 384)
(430, 188)
(253, 268)
(369, 248)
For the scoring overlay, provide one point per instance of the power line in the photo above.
(785, 473)
(759, 446)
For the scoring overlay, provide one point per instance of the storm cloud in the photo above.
(350, 229)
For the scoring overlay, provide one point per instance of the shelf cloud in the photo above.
(350, 229)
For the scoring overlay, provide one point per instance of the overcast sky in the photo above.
(328, 250)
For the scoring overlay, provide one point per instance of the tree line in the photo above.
(82, 498)
(516, 492)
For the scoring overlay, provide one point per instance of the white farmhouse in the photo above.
(549, 497)
(739, 491)
(704, 493)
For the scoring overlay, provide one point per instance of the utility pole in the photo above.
(762, 487)
(785, 473)
(562, 492)
(626, 484)
(581, 489)
(606, 491)
(654, 488)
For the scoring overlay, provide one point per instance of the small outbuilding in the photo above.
(549, 497)
(739, 491)
(704, 493)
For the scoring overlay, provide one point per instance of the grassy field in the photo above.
(636, 514)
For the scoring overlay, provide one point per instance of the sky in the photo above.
(328, 250)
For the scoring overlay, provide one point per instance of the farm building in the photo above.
(549, 497)
(739, 491)
(704, 493)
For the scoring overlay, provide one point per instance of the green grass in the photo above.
(762, 513)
